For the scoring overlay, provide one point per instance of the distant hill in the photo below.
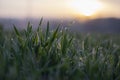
(103, 25)
(108, 25)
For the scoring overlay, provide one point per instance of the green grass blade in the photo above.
(16, 30)
(47, 31)
(40, 23)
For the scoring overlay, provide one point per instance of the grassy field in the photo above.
(58, 55)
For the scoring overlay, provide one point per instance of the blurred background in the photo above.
(79, 15)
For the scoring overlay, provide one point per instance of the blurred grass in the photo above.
(58, 55)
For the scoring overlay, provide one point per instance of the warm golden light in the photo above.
(85, 7)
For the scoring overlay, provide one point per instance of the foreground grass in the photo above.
(56, 55)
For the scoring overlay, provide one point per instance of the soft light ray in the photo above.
(85, 7)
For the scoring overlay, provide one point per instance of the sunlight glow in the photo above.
(85, 7)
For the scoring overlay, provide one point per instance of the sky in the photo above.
(59, 8)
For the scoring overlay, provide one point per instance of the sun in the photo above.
(85, 7)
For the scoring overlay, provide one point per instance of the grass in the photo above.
(58, 55)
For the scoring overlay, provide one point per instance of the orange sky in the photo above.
(57, 8)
